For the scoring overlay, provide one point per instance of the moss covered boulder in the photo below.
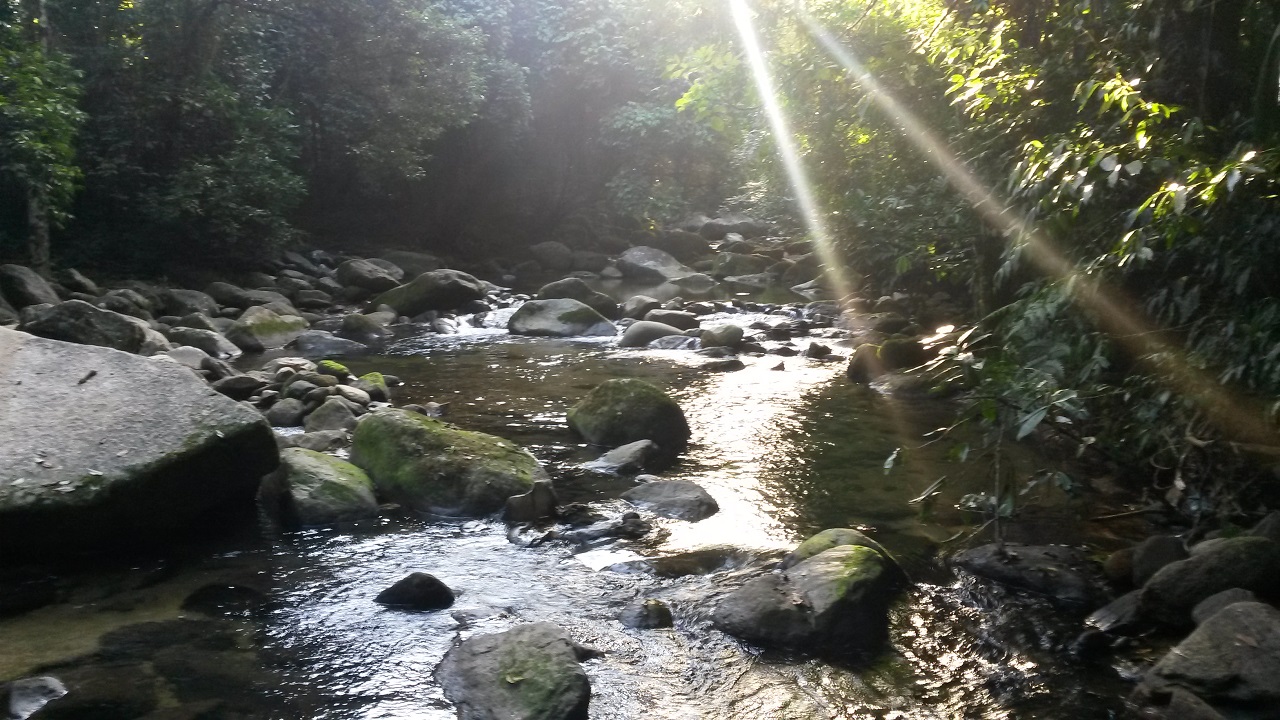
(432, 466)
(101, 448)
(530, 672)
(832, 538)
(622, 411)
(836, 601)
(434, 290)
(559, 317)
(261, 329)
(311, 488)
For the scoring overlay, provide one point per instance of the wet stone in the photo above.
(418, 591)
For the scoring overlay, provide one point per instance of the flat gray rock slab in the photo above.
(678, 499)
(98, 445)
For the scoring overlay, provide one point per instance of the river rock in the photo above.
(1152, 554)
(628, 459)
(334, 414)
(575, 289)
(683, 245)
(109, 690)
(417, 591)
(646, 615)
(76, 321)
(733, 223)
(22, 286)
(836, 600)
(727, 264)
(287, 412)
(1210, 606)
(643, 332)
(675, 342)
(529, 672)
(563, 317)
(637, 306)
(321, 344)
(696, 283)
(729, 336)
(538, 503)
(1250, 563)
(362, 329)
(650, 264)
(831, 538)
(239, 387)
(102, 446)
(412, 263)
(366, 275)
(1062, 574)
(1231, 662)
(21, 698)
(185, 302)
(624, 410)
(259, 329)
(679, 499)
(434, 290)
(311, 488)
(212, 343)
(432, 466)
(674, 318)
(553, 256)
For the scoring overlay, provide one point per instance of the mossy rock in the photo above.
(559, 317)
(838, 537)
(529, 672)
(622, 411)
(432, 466)
(260, 329)
(333, 368)
(313, 488)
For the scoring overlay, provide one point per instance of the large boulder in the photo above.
(413, 263)
(311, 488)
(1231, 662)
(434, 290)
(213, 343)
(836, 600)
(104, 447)
(552, 256)
(185, 302)
(683, 245)
(649, 264)
(260, 329)
(562, 317)
(727, 264)
(76, 321)
(366, 275)
(530, 672)
(436, 467)
(624, 410)
(1249, 563)
(577, 289)
(21, 286)
(1063, 574)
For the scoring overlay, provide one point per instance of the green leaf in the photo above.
(1031, 421)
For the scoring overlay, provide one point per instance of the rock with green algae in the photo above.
(530, 672)
(836, 601)
(260, 329)
(333, 368)
(312, 488)
(559, 317)
(432, 466)
(102, 447)
(374, 383)
(830, 538)
(624, 410)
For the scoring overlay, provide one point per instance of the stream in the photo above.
(785, 452)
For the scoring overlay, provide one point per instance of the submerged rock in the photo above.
(417, 591)
(646, 615)
(311, 488)
(625, 410)
(529, 672)
(101, 446)
(562, 317)
(1063, 574)
(629, 459)
(538, 503)
(432, 466)
(836, 601)
(679, 499)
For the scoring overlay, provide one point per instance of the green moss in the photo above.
(625, 410)
(336, 369)
(376, 378)
(580, 316)
(834, 537)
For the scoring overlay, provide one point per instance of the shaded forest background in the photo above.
(1137, 140)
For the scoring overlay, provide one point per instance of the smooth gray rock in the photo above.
(637, 306)
(1152, 554)
(678, 499)
(729, 336)
(644, 332)
(76, 321)
(334, 414)
(287, 412)
(529, 672)
(413, 263)
(1210, 606)
(103, 447)
(22, 286)
(311, 488)
(628, 459)
(362, 329)
(321, 344)
(1063, 574)
(563, 317)
(364, 274)
(675, 342)
(212, 343)
(434, 290)
(576, 289)
(651, 264)
(674, 318)
(185, 302)
(1231, 662)
(553, 256)
(260, 329)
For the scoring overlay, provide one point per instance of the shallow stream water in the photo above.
(785, 451)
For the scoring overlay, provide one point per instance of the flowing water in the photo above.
(785, 451)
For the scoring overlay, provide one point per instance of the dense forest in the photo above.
(1095, 180)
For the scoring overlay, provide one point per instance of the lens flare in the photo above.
(1117, 314)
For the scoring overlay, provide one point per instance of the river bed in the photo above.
(786, 451)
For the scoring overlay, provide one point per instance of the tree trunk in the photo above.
(36, 20)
